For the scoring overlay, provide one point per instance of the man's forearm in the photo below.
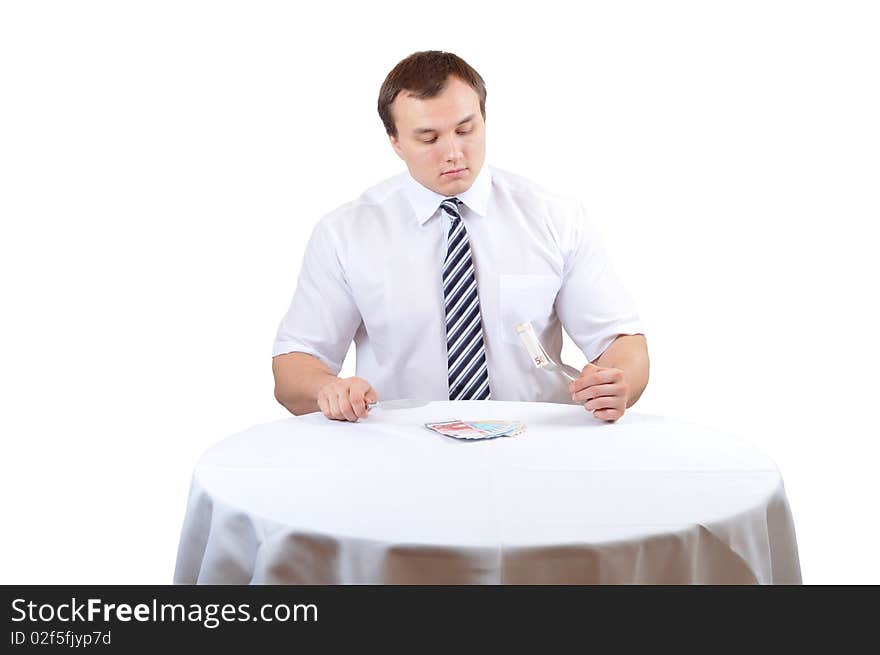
(298, 377)
(629, 353)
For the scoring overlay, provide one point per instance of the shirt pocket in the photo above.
(526, 298)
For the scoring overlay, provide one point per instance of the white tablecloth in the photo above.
(571, 500)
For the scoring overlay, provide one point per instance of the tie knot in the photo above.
(450, 206)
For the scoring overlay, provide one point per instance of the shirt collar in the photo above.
(426, 202)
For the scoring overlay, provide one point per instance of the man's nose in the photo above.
(453, 148)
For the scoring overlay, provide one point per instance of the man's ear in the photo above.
(396, 145)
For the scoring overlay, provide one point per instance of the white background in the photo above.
(163, 163)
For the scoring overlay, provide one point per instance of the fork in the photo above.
(539, 356)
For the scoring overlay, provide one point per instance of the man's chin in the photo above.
(450, 187)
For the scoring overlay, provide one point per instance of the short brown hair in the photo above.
(424, 75)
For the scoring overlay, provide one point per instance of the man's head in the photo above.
(433, 106)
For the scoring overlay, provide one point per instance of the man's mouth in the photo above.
(457, 170)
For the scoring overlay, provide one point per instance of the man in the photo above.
(431, 270)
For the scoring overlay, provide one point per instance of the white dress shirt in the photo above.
(372, 272)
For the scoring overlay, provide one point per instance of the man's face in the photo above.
(441, 139)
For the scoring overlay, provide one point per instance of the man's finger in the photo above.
(596, 391)
(602, 376)
(333, 406)
(345, 406)
(370, 397)
(358, 404)
(608, 414)
(587, 370)
(603, 402)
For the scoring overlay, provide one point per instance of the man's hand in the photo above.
(346, 399)
(603, 391)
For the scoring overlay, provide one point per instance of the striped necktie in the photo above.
(466, 354)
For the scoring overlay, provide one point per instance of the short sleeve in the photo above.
(323, 316)
(592, 304)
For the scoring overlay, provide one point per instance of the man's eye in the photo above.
(457, 132)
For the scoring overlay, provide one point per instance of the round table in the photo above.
(572, 500)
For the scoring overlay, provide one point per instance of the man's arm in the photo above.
(298, 377)
(629, 353)
(612, 383)
(303, 384)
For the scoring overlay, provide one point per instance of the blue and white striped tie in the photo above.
(465, 352)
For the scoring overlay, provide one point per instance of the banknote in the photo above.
(484, 429)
